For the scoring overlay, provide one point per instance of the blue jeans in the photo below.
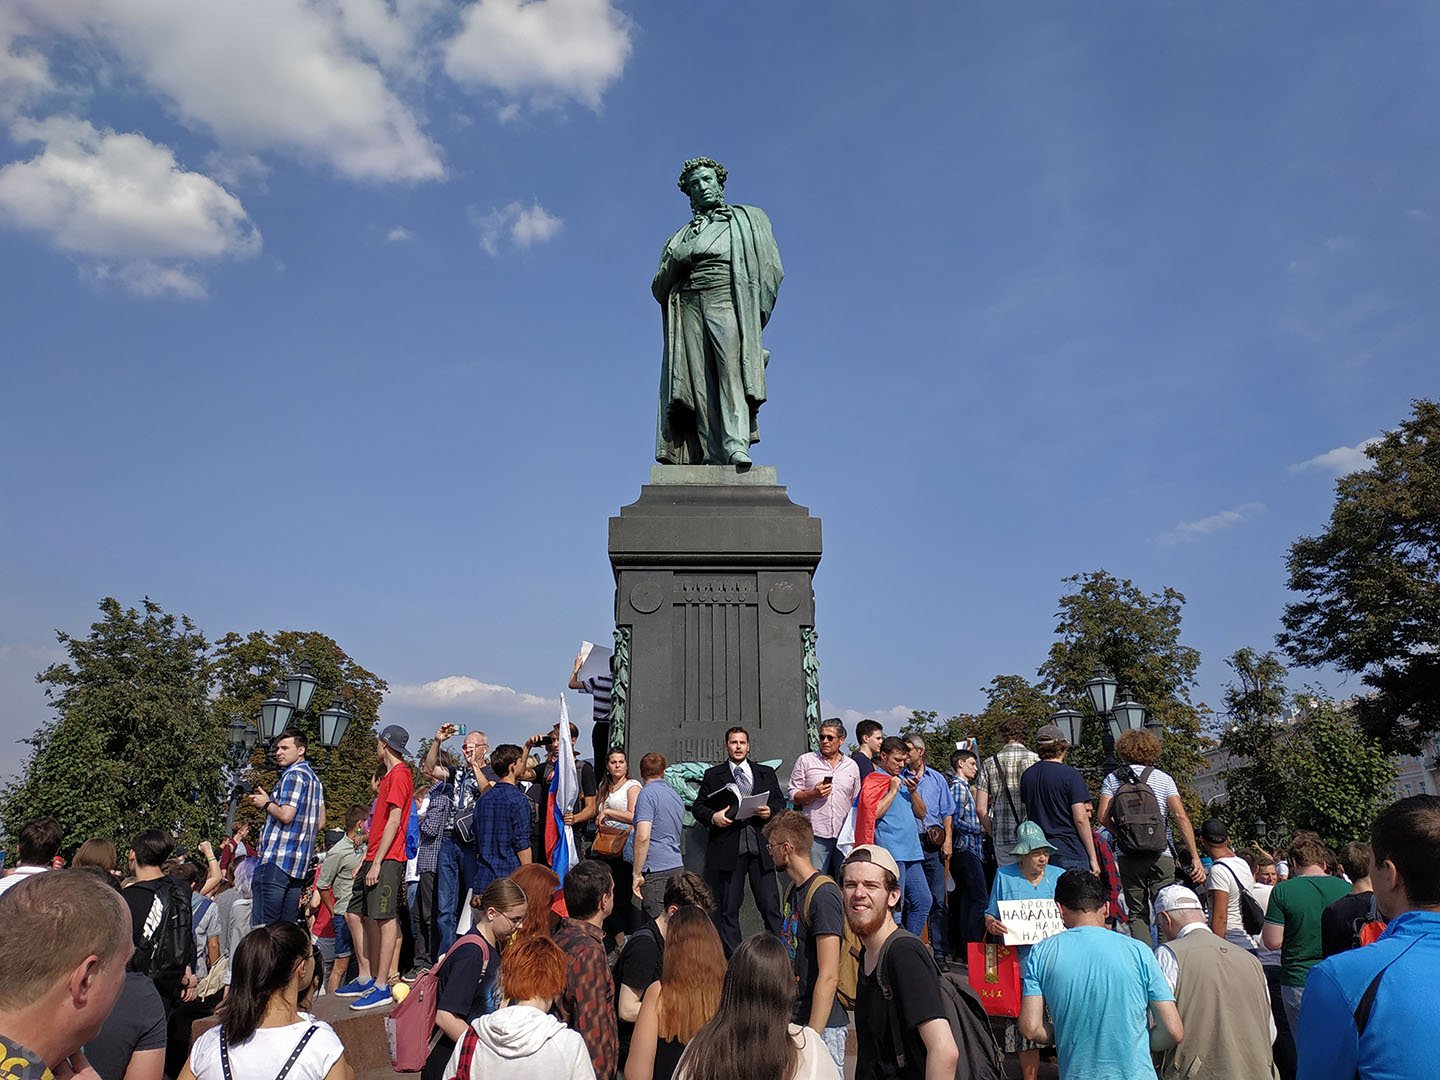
(934, 863)
(454, 875)
(915, 897)
(344, 947)
(276, 895)
(826, 856)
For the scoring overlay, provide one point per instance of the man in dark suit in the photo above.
(737, 849)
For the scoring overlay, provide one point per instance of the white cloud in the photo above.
(121, 197)
(24, 71)
(399, 234)
(1225, 519)
(524, 226)
(892, 718)
(462, 691)
(543, 49)
(265, 75)
(1341, 460)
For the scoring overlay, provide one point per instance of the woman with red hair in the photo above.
(541, 886)
(684, 999)
(522, 1041)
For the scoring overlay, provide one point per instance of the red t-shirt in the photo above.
(397, 789)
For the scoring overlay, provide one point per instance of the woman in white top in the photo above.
(523, 1041)
(616, 798)
(262, 1032)
(752, 1035)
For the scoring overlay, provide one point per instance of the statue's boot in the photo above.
(739, 457)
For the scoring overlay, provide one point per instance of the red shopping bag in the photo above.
(995, 975)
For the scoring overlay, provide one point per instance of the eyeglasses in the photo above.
(773, 844)
(828, 738)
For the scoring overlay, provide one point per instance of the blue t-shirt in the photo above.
(1098, 986)
(1049, 789)
(1402, 1039)
(898, 832)
(1010, 884)
(658, 804)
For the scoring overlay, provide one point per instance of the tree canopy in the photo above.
(1300, 760)
(138, 737)
(1371, 584)
(1110, 622)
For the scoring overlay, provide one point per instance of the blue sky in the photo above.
(336, 315)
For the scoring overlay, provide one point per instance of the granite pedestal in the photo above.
(715, 616)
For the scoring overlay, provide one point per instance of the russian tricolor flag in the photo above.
(564, 787)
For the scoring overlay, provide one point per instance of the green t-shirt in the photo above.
(1297, 905)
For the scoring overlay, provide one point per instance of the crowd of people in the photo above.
(880, 881)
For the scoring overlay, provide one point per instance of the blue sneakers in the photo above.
(378, 997)
(355, 988)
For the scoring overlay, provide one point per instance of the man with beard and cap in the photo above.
(915, 1006)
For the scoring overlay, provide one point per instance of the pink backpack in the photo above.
(410, 1027)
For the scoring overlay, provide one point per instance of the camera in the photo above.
(245, 787)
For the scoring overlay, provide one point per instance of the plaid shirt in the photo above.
(502, 831)
(966, 829)
(1012, 761)
(432, 828)
(587, 1004)
(289, 846)
(1109, 874)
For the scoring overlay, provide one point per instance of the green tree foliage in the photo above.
(1302, 760)
(133, 743)
(1371, 584)
(246, 671)
(1339, 778)
(1253, 740)
(1108, 622)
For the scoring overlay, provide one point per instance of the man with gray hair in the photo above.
(1221, 995)
(67, 940)
(823, 786)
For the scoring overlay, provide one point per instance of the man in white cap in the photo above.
(899, 987)
(1220, 992)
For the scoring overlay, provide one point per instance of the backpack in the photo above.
(1252, 915)
(1136, 818)
(410, 1026)
(980, 1056)
(167, 941)
(849, 947)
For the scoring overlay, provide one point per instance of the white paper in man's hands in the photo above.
(594, 661)
(749, 804)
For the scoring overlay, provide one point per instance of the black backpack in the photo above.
(1137, 820)
(980, 1056)
(167, 943)
(1252, 915)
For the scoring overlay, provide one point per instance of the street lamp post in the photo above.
(1118, 717)
(290, 696)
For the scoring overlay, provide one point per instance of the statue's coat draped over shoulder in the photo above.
(755, 276)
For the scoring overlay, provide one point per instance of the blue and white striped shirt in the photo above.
(290, 846)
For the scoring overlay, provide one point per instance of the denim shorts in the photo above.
(343, 945)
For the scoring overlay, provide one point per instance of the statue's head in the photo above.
(703, 179)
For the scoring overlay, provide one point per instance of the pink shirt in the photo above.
(826, 815)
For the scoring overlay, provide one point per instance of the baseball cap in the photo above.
(1214, 830)
(1051, 733)
(876, 854)
(1176, 898)
(395, 737)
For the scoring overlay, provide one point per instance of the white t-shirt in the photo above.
(813, 1063)
(262, 1056)
(205, 928)
(19, 874)
(1224, 874)
(619, 799)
